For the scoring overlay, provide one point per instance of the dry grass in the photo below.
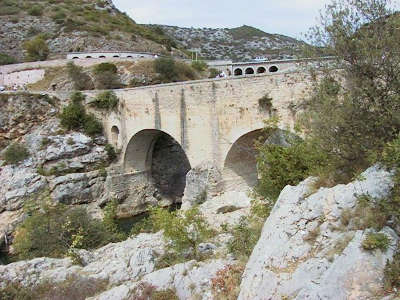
(50, 76)
(226, 284)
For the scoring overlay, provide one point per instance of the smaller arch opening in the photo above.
(273, 69)
(102, 56)
(129, 56)
(249, 71)
(261, 70)
(114, 135)
(238, 72)
(75, 57)
(88, 56)
(116, 56)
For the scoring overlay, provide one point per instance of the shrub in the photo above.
(244, 237)
(213, 73)
(6, 59)
(15, 153)
(81, 80)
(35, 10)
(392, 272)
(279, 166)
(36, 49)
(92, 126)
(183, 232)
(51, 229)
(166, 68)
(376, 241)
(74, 287)
(265, 102)
(112, 155)
(74, 117)
(199, 65)
(226, 283)
(106, 76)
(107, 100)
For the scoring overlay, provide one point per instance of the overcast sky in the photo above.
(289, 17)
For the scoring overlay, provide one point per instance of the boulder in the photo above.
(202, 183)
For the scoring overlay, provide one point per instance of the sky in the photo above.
(288, 17)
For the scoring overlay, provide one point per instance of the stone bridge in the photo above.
(165, 130)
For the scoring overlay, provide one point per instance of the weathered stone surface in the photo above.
(226, 208)
(202, 183)
(117, 263)
(77, 188)
(18, 183)
(296, 257)
(190, 280)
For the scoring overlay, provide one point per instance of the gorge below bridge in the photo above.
(164, 131)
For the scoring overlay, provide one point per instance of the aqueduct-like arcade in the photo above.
(165, 130)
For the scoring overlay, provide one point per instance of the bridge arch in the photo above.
(261, 70)
(249, 71)
(161, 158)
(238, 72)
(240, 166)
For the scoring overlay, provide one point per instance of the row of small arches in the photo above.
(260, 70)
(103, 56)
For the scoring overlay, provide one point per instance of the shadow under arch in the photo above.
(240, 166)
(161, 158)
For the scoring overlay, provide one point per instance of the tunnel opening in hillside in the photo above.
(162, 159)
(240, 166)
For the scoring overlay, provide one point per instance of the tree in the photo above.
(356, 111)
(36, 49)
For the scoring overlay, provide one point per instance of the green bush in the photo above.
(15, 153)
(6, 59)
(213, 73)
(74, 117)
(107, 100)
(36, 49)
(244, 237)
(35, 10)
(199, 65)
(74, 287)
(92, 126)
(52, 229)
(279, 166)
(106, 76)
(166, 68)
(376, 241)
(171, 71)
(111, 154)
(183, 232)
(81, 80)
(392, 272)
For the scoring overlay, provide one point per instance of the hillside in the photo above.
(73, 25)
(241, 43)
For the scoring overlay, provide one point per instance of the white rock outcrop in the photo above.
(114, 263)
(302, 252)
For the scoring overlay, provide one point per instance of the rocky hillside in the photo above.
(74, 25)
(241, 43)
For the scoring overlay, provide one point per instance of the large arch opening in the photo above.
(261, 70)
(249, 71)
(240, 166)
(161, 158)
(238, 72)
